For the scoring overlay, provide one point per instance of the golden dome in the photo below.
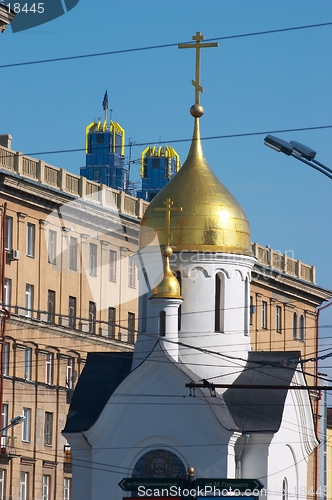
(169, 287)
(210, 220)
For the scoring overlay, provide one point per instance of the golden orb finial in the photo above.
(197, 110)
(169, 287)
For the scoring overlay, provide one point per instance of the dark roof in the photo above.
(260, 410)
(102, 374)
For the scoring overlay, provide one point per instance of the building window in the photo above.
(219, 303)
(72, 312)
(251, 317)
(144, 305)
(246, 307)
(2, 483)
(73, 253)
(52, 235)
(302, 328)
(131, 272)
(295, 325)
(49, 368)
(6, 353)
(162, 323)
(28, 300)
(131, 327)
(284, 491)
(112, 265)
(66, 488)
(264, 314)
(70, 373)
(4, 423)
(111, 322)
(30, 240)
(51, 306)
(48, 428)
(92, 317)
(93, 259)
(96, 175)
(9, 233)
(278, 319)
(27, 363)
(7, 292)
(24, 477)
(46, 487)
(26, 425)
(179, 278)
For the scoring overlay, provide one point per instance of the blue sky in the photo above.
(251, 84)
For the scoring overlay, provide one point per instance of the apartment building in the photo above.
(69, 287)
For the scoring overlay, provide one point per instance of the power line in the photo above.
(163, 46)
(173, 141)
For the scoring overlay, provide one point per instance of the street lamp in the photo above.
(14, 421)
(298, 151)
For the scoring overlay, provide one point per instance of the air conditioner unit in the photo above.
(14, 254)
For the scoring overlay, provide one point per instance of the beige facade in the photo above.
(71, 287)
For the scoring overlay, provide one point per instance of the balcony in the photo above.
(8, 449)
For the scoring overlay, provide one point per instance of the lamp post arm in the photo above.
(323, 166)
(320, 168)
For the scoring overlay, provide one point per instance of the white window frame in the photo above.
(26, 425)
(131, 326)
(131, 272)
(24, 478)
(2, 483)
(264, 314)
(69, 372)
(29, 289)
(6, 358)
(93, 259)
(73, 253)
(46, 487)
(278, 319)
(48, 429)
(52, 243)
(112, 265)
(31, 233)
(9, 233)
(7, 292)
(66, 488)
(27, 363)
(72, 311)
(49, 368)
(4, 423)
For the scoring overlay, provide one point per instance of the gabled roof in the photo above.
(102, 374)
(261, 410)
(246, 410)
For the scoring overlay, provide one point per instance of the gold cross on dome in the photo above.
(168, 208)
(198, 46)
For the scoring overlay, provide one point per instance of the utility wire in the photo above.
(163, 46)
(173, 141)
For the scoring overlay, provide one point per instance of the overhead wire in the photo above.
(163, 46)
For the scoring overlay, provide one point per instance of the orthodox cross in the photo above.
(168, 208)
(198, 46)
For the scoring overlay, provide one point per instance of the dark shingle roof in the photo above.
(102, 374)
(260, 410)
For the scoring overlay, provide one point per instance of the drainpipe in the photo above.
(4, 312)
